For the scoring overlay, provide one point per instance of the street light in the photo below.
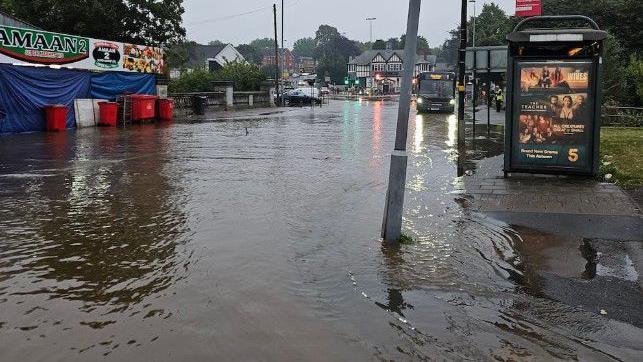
(474, 22)
(370, 20)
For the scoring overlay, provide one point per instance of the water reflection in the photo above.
(104, 228)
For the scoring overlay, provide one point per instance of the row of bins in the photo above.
(144, 108)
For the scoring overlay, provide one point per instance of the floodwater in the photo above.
(203, 242)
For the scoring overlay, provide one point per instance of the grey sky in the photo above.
(207, 20)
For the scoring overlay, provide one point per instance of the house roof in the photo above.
(366, 57)
(8, 20)
(198, 53)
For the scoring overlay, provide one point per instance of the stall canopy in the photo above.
(31, 76)
(25, 91)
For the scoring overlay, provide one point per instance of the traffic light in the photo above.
(346, 81)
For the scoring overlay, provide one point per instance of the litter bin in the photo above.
(165, 109)
(56, 117)
(143, 107)
(108, 114)
(198, 104)
(554, 96)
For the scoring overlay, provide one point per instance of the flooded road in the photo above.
(204, 242)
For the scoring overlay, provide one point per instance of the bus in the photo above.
(436, 92)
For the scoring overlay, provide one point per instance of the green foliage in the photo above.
(379, 44)
(137, 21)
(492, 26)
(406, 239)
(634, 79)
(216, 42)
(250, 53)
(622, 155)
(304, 47)
(198, 80)
(332, 51)
(246, 77)
(263, 43)
(177, 53)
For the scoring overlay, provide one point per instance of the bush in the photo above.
(198, 80)
(246, 77)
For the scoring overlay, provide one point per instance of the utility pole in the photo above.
(393, 211)
(461, 82)
(283, 50)
(274, 12)
(475, 65)
(370, 20)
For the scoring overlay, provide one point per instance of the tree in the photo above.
(616, 16)
(492, 26)
(379, 45)
(422, 45)
(250, 53)
(263, 43)
(198, 80)
(216, 42)
(304, 47)
(246, 77)
(177, 53)
(136, 21)
(333, 50)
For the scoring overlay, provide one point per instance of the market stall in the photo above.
(39, 69)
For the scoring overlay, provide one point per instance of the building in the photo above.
(286, 60)
(306, 65)
(381, 70)
(210, 57)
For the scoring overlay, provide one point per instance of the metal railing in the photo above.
(622, 116)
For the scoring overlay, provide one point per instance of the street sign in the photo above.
(525, 8)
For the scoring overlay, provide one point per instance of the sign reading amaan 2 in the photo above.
(42, 47)
(31, 46)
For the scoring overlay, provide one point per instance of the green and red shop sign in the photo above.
(42, 47)
(20, 46)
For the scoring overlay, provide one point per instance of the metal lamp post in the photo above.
(370, 20)
(474, 22)
(393, 211)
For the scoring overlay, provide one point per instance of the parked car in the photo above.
(302, 96)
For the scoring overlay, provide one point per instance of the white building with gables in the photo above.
(382, 69)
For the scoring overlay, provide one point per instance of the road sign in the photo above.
(525, 8)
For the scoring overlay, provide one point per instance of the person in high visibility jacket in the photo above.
(500, 98)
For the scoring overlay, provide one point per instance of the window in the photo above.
(378, 67)
(395, 67)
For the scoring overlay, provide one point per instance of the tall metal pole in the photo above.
(474, 22)
(274, 12)
(283, 50)
(393, 211)
(461, 71)
(475, 58)
(370, 20)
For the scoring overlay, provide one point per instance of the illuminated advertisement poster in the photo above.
(554, 122)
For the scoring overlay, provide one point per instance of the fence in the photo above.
(183, 102)
(622, 116)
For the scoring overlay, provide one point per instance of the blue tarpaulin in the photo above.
(25, 91)
(111, 84)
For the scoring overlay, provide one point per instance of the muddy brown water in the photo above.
(199, 242)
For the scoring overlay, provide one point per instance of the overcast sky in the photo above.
(207, 20)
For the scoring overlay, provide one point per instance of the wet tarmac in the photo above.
(202, 241)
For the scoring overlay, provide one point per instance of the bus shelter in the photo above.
(554, 96)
